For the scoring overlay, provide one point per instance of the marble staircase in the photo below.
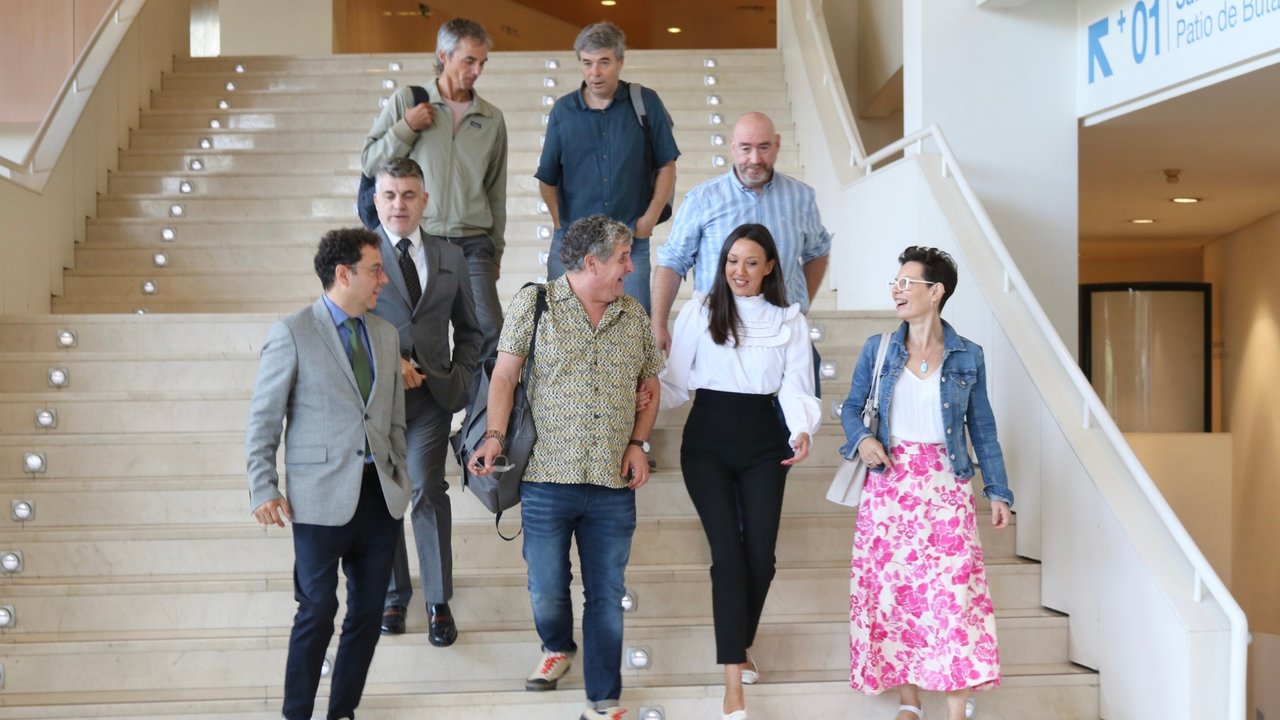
(145, 589)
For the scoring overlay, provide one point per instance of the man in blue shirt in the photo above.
(751, 192)
(596, 158)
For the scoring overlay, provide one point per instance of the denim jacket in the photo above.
(965, 406)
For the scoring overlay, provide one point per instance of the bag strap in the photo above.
(539, 307)
(873, 396)
(420, 94)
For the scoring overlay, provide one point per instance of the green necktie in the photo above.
(359, 359)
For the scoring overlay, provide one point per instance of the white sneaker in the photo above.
(612, 713)
(547, 674)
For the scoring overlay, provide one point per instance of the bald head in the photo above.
(755, 149)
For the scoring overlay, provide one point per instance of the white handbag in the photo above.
(846, 486)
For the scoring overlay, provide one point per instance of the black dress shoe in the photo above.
(440, 628)
(393, 620)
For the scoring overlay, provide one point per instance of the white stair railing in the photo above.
(32, 169)
(1213, 629)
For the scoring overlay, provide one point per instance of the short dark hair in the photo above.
(601, 36)
(721, 307)
(453, 32)
(341, 247)
(594, 235)
(401, 167)
(939, 267)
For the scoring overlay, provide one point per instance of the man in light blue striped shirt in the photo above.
(749, 193)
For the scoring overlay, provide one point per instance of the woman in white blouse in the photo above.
(747, 354)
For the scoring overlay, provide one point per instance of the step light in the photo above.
(542, 206)
(548, 82)
(239, 68)
(22, 510)
(67, 338)
(160, 260)
(140, 311)
(817, 332)
(11, 561)
(215, 123)
(828, 370)
(713, 99)
(186, 187)
(231, 87)
(388, 84)
(836, 407)
(710, 80)
(629, 601)
(394, 66)
(149, 287)
(543, 257)
(59, 377)
(542, 140)
(544, 232)
(718, 161)
(638, 658)
(223, 104)
(8, 616)
(196, 164)
(326, 667)
(206, 143)
(717, 139)
(716, 119)
(548, 101)
(541, 279)
(709, 63)
(382, 102)
(177, 210)
(652, 713)
(46, 418)
(553, 64)
(168, 234)
(546, 118)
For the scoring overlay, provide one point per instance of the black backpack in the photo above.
(364, 196)
(637, 102)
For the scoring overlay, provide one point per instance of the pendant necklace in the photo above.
(924, 361)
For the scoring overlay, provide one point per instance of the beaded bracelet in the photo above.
(502, 439)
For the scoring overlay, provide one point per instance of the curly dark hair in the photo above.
(939, 267)
(595, 235)
(341, 247)
(721, 308)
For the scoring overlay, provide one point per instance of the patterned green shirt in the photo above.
(584, 382)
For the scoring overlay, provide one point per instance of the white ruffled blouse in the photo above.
(773, 357)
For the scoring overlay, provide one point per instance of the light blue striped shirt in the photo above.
(714, 208)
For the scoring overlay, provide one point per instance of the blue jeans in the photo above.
(603, 520)
(636, 284)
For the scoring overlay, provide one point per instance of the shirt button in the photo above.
(946, 405)
(948, 431)
(953, 456)
(943, 380)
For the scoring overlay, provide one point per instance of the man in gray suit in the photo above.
(331, 372)
(429, 290)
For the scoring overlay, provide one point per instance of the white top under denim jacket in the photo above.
(964, 406)
(772, 357)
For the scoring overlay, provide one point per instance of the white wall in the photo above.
(1001, 84)
(38, 230)
(275, 27)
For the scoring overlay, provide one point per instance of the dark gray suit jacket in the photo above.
(305, 377)
(424, 330)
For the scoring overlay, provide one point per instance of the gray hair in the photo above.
(601, 36)
(595, 235)
(452, 33)
(400, 167)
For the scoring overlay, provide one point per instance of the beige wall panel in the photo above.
(276, 27)
(1157, 267)
(36, 47)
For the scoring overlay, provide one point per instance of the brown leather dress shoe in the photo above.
(393, 620)
(441, 630)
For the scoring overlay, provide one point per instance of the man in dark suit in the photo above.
(429, 290)
(332, 372)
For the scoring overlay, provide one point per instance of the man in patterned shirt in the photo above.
(594, 347)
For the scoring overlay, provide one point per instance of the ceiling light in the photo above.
(673, 30)
(1142, 221)
(608, 3)
(1185, 200)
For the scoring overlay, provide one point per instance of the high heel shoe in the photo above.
(750, 675)
(919, 713)
(735, 715)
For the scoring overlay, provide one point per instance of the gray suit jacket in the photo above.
(304, 377)
(424, 330)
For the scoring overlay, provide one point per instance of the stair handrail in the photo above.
(64, 113)
(1205, 576)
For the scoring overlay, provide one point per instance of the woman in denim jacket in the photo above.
(920, 613)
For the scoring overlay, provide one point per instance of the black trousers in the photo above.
(731, 458)
(365, 547)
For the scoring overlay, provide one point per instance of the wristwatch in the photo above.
(642, 444)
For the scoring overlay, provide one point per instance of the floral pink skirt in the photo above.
(919, 608)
